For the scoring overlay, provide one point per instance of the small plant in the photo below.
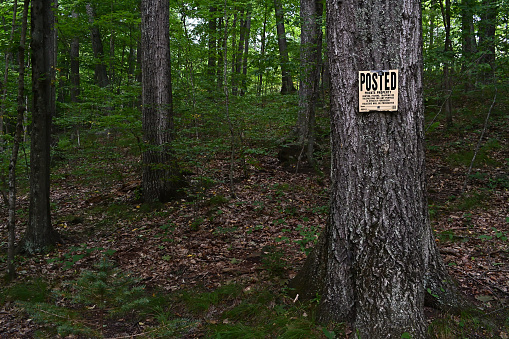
(273, 261)
(309, 237)
(103, 293)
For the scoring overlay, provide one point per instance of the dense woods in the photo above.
(201, 169)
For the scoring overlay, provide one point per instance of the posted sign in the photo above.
(378, 90)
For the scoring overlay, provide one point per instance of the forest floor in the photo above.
(216, 263)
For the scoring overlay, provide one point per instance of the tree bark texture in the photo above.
(40, 234)
(369, 266)
(160, 174)
(310, 66)
(284, 60)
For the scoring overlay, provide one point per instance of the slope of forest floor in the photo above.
(216, 263)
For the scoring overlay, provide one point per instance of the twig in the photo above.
(440, 111)
(479, 143)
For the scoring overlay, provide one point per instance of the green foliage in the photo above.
(75, 254)
(469, 201)
(469, 323)
(106, 290)
(200, 302)
(309, 237)
(107, 287)
(273, 261)
(34, 291)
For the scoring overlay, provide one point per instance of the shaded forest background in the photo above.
(215, 261)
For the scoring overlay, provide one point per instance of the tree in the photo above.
(468, 42)
(487, 28)
(17, 140)
(286, 76)
(100, 72)
(310, 65)
(448, 56)
(75, 65)
(376, 258)
(39, 234)
(161, 178)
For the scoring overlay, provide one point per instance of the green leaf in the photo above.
(406, 335)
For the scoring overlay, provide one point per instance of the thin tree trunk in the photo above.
(286, 77)
(262, 52)
(220, 55)
(487, 28)
(212, 43)
(100, 70)
(246, 51)
(447, 81)
(15, 147)
(75, 66)
(310, 64)
(468, 42)
(6, 75)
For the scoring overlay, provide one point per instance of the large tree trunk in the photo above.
(100, 71)
(40, 234)
(286, 76)
(310, 66)
(370, 264)
(161, 178)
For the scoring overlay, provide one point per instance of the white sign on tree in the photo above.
(378, 90)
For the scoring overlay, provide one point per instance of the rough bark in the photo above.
(370, 265)
(284, 60)
(310, 66)
(100, 70)
(161, 179)
(39, 234)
